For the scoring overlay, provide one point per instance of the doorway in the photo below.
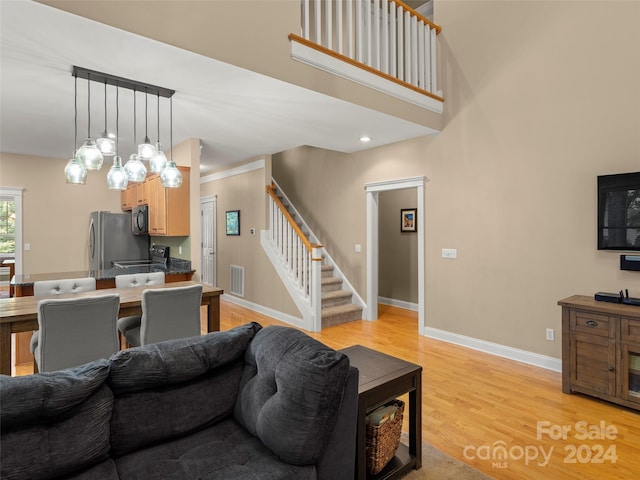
(373, 244)
(208, 217)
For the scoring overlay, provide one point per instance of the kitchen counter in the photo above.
(176, 271)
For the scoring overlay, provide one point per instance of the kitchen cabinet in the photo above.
(169, 208)
(601, 350)
(137, 193)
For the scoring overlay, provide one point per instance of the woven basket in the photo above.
(383, 440)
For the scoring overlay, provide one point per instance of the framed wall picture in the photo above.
(408, 219)
(233, 222)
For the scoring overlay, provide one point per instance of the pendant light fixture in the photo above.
(159, 161)
(171, 176)
(106, 144)
(146, 151)
(90, 157)
(134, 168)
(74, 172)
(88, 154)
(117, 177)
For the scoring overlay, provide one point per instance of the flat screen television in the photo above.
(619, 212)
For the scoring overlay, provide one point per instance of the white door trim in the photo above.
(214, 200)
(372, 191)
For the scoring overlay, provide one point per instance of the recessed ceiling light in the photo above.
(364, 139)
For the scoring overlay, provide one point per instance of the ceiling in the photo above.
(237, 114)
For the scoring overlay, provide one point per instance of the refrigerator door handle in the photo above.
(92, 242)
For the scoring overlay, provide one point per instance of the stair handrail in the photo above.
(305, 272)
(271, 191)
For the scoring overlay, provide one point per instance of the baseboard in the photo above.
(398, 303)
(269, 312)
(510, 353)
(523, 356)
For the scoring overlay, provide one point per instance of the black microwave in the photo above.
(140, 220)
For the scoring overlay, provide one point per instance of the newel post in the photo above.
(316, 288)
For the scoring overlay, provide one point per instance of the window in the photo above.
(11, 225)
(7, 226)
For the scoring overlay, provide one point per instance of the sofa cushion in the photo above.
(173, 388)
(54, 423)
(102, 471)
(290, 393)
(34, 398)
(224, 451)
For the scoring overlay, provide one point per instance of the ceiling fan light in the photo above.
(117, 177)
(106, 144)
(135, 169)
(171, 176)
(159, 161)
(74, 172)
(89, 156)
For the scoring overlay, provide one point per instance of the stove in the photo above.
(158, 257)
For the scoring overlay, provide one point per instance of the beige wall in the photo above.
(56, 214)
(540, 99)
(246, 192)
(398, 251)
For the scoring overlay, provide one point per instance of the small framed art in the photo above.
(233, 222)
(408, 219)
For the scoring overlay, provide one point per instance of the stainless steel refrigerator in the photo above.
(111, 239)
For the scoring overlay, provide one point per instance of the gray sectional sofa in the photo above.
(248, 403)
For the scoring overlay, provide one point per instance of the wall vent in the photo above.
(237, 280)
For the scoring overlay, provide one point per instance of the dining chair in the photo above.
(167, 313)
(67, 285)
(130, 280)
(74, 331)
(44, 288)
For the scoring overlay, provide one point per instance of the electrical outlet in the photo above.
(449, 253)
(551, 334)
(180, 249)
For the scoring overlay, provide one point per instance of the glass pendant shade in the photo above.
(146, 151)
(106, 145)
(117, 177)
(171, 176)
(159, 161)
(89, 156)
(74, 172)
(135, 169)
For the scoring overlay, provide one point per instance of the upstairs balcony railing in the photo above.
(384, 37)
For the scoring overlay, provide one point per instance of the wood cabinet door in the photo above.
(630, 372)
(126, 198)
(593, 363)
(157, 207)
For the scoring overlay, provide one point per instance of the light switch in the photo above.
(449, 253)
(358, 248)
(27, 246)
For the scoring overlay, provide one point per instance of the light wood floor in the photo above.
(474, 402)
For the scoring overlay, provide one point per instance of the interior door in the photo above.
(208, 239)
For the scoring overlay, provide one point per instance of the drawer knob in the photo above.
(592, 323)
(612, 369)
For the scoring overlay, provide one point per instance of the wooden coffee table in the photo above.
(383, 378)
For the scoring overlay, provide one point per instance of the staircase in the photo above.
(339, 303)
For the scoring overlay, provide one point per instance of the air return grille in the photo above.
(237, 280)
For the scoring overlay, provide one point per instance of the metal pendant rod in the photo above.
(92, 75)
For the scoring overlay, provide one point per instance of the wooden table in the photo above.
(20, 314)
(383, 378)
